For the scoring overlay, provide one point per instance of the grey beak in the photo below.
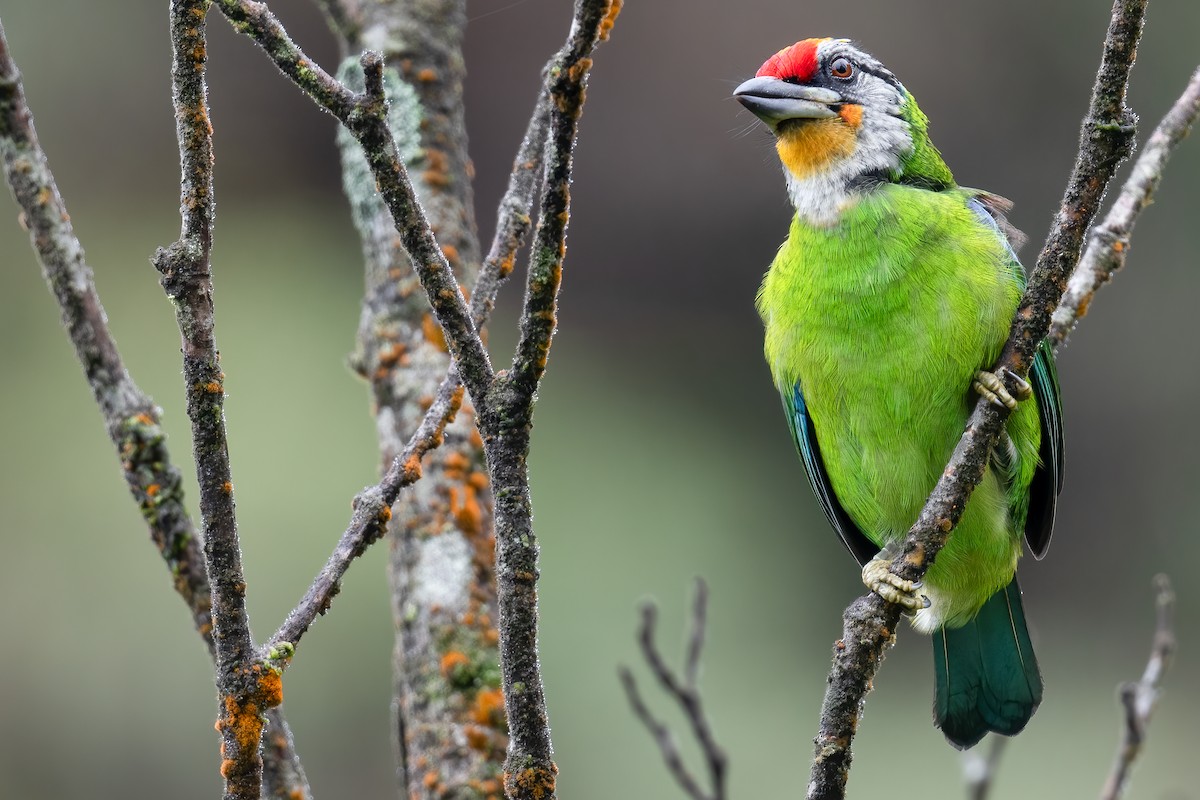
(774, 101)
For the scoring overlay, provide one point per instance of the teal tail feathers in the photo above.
(987, 675)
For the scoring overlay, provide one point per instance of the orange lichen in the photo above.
(245, 722)
(433, 333)
(491, 636)
(392, 353)
(477, 737)
(451, 253)
(152, 489)
(577, 70)
(489, 708)
(212, 387)
(227, 766)
(227, 487)
(431, 779)
(479, 480)
(456, 462)
(427, 75)
(271, 687)
(412, 468)
(610, 19)
(465, 508)
(533, 782)
(452, 661)
(385, 514)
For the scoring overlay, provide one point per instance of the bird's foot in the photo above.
(991, 386)
(877, 575)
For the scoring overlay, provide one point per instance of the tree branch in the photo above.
(130, 416)
(506, 420)
(1108, 242)
(1140, 698)
(246, 689)
(373, 506)
(686, 695)
(870, 622)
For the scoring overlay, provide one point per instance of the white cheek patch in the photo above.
(821, 197)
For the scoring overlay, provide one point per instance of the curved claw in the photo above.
(879, 578)
(991, 385)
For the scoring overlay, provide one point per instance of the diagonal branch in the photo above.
(1108, 242)
(372, 508)
(365, 116)
(1139, 698)
(870, 622)
(686, 695)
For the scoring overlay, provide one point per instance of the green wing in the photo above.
(805, 437)
(1048, 479)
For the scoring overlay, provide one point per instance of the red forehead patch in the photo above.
(798, 62)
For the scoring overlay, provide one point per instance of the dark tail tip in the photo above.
(987, 675)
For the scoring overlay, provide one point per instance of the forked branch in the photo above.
(686, 694)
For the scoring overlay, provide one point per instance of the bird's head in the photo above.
(840, 116)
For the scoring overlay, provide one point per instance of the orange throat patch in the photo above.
(812, 145)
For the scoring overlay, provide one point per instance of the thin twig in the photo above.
(506, 419)
(1139, 698)
(870, 622)
(132, 419)
(979, 771)
(1108, 242)
(686, 695)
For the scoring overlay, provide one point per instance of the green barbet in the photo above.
(891, 297)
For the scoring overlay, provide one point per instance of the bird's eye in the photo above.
(841, 68)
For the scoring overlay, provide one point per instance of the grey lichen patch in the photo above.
(443, 572)
(404, 121)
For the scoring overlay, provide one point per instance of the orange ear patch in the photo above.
(852, 114)
(813, 145)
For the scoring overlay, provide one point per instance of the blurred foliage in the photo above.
(659, 450)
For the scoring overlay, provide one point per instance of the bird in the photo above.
(883, 310)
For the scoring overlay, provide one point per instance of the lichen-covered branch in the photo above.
(686, 695)
(246, 689)
(1139, 698)
(1108, 242)
(130, 416)
(869, 623)
(506, 421)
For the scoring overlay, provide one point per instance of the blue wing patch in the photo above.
(805, 437)
(1048, 480)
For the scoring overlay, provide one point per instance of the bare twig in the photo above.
(686, 695)
(979, 771)
(870, 622)
(1138, 698)
(1108, 242)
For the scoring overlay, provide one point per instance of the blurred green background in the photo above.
(659, 450)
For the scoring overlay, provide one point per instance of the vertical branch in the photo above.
(246, 689)
(506, 422)
(449, 726)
